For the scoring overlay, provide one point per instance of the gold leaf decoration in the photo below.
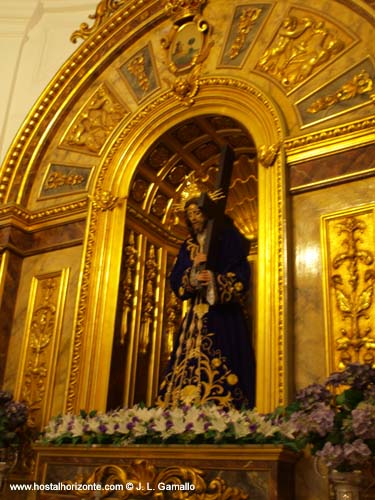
(303, 44)
(353, 288)
(141, 479)
(104, 200)
(103, 11)
(95, 123)
(360, 84)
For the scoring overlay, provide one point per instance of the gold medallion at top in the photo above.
(180, 9)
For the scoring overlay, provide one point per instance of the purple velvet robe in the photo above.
(212, 359)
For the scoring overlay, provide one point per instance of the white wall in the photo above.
(34, 44)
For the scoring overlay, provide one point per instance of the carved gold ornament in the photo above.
(173, 313)
(302, 45)
(150, 284)
(180, 9)
(360, 84)
(352, 286)
(41, 340)
(141, 479)
(103, 11)
(95, 122)
(104, 200)
(267, 154)
(186, 88)
(247, 20)
(58, 179)
(136, 67)
(128, 283)
(187, 45)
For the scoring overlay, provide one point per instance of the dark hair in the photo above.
(192, 201)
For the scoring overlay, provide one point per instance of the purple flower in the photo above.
(363, 421)
(16, 413)
(320, 420)
(332, 455)
(357, 375)
(357, 452)
(312, 394)
(5, 397)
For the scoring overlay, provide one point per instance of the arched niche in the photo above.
(101, 272)
(103, 206)
(148, 312)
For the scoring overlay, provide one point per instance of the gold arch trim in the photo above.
(112, 31)
(104, 243)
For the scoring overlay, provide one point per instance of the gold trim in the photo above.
(104, 10)
(209, 453)
(333, 180)
(348, 286)
(330, 140)
(4, 262)
(141, 478)
(28, 216)
(43, 328)
(72, 386)
(65, 180)
(246, 104)
(50, 105)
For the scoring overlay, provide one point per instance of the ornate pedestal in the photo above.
(164, 472)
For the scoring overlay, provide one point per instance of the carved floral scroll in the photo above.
(349, 247)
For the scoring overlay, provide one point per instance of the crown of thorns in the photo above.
(193, 188)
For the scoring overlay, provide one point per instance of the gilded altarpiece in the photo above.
(41, 344)
(348, 250)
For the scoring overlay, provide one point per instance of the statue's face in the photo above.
(196, 218)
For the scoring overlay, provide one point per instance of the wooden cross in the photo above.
(215, 210)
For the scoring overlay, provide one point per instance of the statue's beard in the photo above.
(199, 227)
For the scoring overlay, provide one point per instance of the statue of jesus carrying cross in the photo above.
(212, 360)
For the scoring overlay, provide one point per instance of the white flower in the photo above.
(77, 427)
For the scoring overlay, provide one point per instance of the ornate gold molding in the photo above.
(141, 479)
(128, 283)
(73, 75)
(272, 180)
(75, 362)
(28, 217)
(350, 278)
(41, 344)
(333, 139)
(104, 200)
(246, 22)
(103, 11)
(267, 155)
(304, 42)
(359, 84)
(93, 125)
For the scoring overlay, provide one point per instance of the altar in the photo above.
(205, 472)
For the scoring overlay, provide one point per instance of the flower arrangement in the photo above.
(336, 419)
(13, 418)
(183, 425)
